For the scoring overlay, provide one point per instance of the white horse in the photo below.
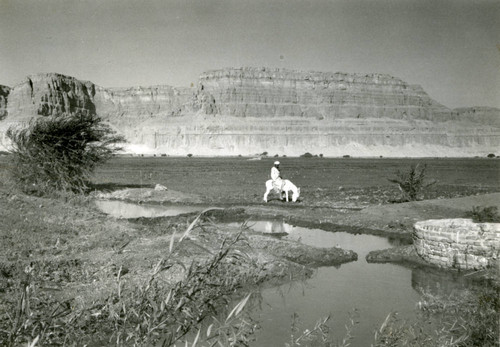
(287, 186)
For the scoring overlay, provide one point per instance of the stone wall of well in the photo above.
(458, 243)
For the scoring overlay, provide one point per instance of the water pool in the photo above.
(374, 290)
(120, 209)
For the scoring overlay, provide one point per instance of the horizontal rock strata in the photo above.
(248, 111)
(458, 243)
(280, 93)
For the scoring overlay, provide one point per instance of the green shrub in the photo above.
(411, 183)
(484, 214)
(59, 153)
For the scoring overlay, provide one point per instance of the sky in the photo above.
(449, 47)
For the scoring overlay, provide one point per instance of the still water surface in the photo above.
(120, 209)
(373, 289)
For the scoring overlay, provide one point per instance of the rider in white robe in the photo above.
(276, 176)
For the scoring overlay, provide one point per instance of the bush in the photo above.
(190, 155)
(491, 155)
(307, 155)
(484, 214)
(411, 183)
(60, 152)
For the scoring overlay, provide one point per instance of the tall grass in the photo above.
(461, 319)
(152, 313)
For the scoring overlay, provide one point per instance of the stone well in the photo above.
(458, 243)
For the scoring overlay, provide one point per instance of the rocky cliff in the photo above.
(4, 93)
(248, 111)
(482, 115)
(280, 93)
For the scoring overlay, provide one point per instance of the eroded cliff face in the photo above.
(124, 108)
(479, 114)
(248, 111)
(48, 94)
(251, 92)
(4, 93)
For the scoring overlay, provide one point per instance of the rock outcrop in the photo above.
(249, 110)
(48, 94)
(4, 93)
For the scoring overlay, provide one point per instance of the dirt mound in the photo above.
(151, 195)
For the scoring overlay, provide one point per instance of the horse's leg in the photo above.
(286, 193)
(266, 193)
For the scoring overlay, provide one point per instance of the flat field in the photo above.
(324, 182)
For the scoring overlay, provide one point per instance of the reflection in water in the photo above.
(373, 289)
(120, 209)
(439, 282)
(271, 227)
(398, 241)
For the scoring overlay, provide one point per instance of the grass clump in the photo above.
(320, 334)
(412, 182)
(462, 319)
(487, 214)
(58, 153)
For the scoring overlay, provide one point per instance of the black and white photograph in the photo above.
(261, 173)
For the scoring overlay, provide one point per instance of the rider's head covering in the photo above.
(276, 163)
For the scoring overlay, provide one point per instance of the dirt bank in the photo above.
(395, 219)
(389, 218)
(386, 218)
